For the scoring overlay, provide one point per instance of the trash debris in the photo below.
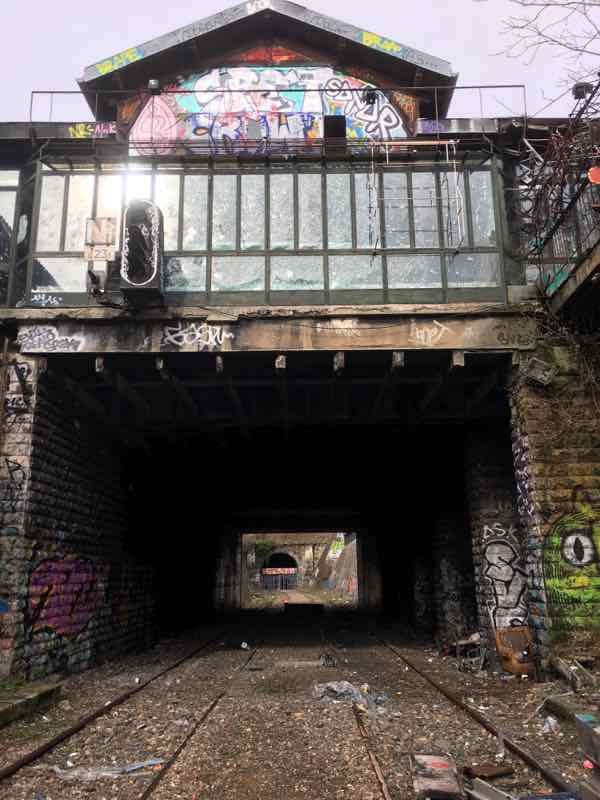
(488, 771)
(515, 648)
(182, 723)
(588, 764)
(551, 725)
(97, 773)
(434, 775)
(588, 731)
(339, 690)
(325, 660)
(245, 646)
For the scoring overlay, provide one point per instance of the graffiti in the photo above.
(129, 56)
(347, 328)
(92, 130)
(46, 300)
(379, 43)
(427, 335)
(228, 107)
(516, 334)
(272, 54)
(571, 566)
(198, 335)
(45, 339)
(63, 595)
(503, 570)
(14, 485)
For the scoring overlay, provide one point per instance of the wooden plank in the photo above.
(467, 333)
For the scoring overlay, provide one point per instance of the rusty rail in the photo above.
(34, 755)
(552, 776)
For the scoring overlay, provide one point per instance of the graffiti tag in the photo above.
(63, 595)
(120, 60)
(505, 574)
(427, 335)
(92, 130)
(46, 339)
(46, 300)
(192, 334)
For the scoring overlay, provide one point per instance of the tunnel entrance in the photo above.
(309, 567)
(403, 465)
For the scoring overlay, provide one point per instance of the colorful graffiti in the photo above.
(503, 570)
(379, 43)
(270, 54)
(571, 564)
(64, 593)
(129, 56)
(235, 105)
(92, 130)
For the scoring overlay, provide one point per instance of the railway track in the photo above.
(188, 755)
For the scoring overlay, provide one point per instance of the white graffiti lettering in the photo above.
(46, 339)
(505, 574)
(427, 335)
(199, 335)
(46, 300)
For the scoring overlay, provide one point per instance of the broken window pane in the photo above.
(282, 212)
(166, 197)
(368, 233)
(59, 275)
(293, 273)
(253, 212)
(425, 209)
(51, 209)
(396, 209)
(110, 198)
(355, 272)
(482, 209)
(224, 212)
(235, 274)
(81, 197)
(195, 210)
(467, 270)
(310, 217)
(185, 274)
(339, 226)
(414, 272)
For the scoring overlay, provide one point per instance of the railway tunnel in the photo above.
(152, 468)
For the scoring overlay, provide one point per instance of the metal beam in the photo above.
(281, 373)
(118, 382)
(482, 391)
(398, 362)
(233, 397)
(435, 390)
(180, 389)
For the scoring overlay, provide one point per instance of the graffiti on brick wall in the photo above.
(505, 574)
(18, 401)
(571, 566)
(63, 595)
(230, 106)
(14, 486)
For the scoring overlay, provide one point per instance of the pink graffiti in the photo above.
(157, 125)
(64, 594)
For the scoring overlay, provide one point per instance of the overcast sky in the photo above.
(47, 45)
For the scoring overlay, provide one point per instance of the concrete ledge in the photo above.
(18, 703)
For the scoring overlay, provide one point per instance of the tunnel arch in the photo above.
(281, 558)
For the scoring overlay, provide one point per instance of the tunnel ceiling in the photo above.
(143, 398)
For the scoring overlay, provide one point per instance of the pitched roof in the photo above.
(283, 16)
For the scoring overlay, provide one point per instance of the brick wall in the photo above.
(453, 579)
(556, 447)
(497, 537)
(73, 596)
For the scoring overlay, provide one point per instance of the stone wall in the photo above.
(556, 448)
(72, 596)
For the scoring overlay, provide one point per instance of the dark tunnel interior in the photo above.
(390, 483)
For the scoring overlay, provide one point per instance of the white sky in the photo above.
(47, 46)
